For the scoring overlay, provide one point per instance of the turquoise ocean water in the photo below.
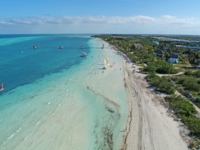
(46, 104)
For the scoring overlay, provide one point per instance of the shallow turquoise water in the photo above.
(46, 103)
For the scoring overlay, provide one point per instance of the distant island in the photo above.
(171, 65)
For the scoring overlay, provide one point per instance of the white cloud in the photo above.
(121, 24)
(175, 20)
(99, 19)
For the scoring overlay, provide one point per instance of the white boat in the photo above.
(104, 62)
(102, 46)
(2, 87)
(35, 46)
(84, 54)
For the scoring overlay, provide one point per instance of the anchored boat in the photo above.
(35, 46)
(2, 87)
(84, 54)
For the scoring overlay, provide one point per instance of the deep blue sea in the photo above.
(21, 64)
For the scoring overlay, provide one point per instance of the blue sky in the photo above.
(100, 16)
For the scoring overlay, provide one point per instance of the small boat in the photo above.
(102, 46)
(105, 67)
(61, 47)
(105, 62)
(35, 46)
(2, 87)
(84, 54)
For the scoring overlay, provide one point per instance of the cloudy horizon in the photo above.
(120, 16)
(165, 24)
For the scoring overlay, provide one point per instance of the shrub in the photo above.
(183, 107)
(174, 71)
(190, 83)
(161, 84)
(197, 74)
(150, 68)
(189, 73)
(186, 112)
(193, 124)
(164, 67)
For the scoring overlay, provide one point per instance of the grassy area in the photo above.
(181, 66)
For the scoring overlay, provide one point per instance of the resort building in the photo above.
(174, 58)
(159, 52)
(155, 43)
(166, 48)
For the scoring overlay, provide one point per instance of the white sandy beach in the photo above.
(149, 126)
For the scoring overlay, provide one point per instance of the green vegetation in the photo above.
(193, 73)
(189, 83)
(161, 83)
(160, 66)
(189, 73)
(186, 112)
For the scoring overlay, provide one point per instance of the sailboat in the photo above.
(105, 67)
(2, 87)
(102, 46)
(106, 63)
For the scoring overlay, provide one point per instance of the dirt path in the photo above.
(178, 74)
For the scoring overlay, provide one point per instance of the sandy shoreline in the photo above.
(149, 126)
(80, 108)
